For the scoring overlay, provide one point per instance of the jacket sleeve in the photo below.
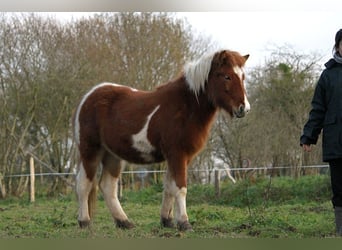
(314, 125)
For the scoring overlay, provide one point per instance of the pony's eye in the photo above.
(227, 78)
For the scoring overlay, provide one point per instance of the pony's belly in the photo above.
(142, 158)
(127, 150)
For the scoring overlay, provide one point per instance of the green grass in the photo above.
(276, 208)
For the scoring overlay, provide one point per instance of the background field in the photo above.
(263, 208)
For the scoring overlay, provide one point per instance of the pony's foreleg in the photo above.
(83, 188)
(180, 209)
(175, 190)
(109, 187)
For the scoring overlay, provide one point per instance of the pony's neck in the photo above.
(200, 104)
(206, 110)
(197, 104)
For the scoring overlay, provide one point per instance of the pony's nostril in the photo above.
(242, 109)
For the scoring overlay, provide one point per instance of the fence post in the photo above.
(32, 179)
(217, 183)
(120, 187)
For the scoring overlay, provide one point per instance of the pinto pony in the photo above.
(114, 123)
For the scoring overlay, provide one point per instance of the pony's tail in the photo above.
(93, 192)
(92, 199)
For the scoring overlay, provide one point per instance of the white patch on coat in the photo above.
(109, 188)
(140, 140)
(123, 86)
(180, 209)
(83, 188)
(179, 195)
(85, 97)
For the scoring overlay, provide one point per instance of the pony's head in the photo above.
(221, 77)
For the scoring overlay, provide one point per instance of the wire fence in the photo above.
(35, 158)
(164, 171)
(143, 173)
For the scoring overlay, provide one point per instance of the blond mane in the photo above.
(197, 72)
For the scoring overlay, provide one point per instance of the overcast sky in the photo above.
(255, 32)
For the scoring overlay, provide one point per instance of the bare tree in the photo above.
(280, 93)
(47, 66)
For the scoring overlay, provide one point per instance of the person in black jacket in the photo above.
(326, 114)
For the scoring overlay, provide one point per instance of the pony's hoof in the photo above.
(124, 224)
(167, 222)
(184, 226)
(84, 224)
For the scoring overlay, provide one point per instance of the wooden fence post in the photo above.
(32, 179)
(120, 187)
(217, 183)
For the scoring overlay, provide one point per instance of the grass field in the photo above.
(276, 208)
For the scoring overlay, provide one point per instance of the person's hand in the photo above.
(307, 147)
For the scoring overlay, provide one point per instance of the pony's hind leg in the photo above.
(86, 193)
(109, 187)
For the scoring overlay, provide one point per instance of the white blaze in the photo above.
(239, 72)
(247, 105)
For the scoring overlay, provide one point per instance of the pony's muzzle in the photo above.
(241, 111)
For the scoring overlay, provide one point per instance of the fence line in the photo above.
(216, 171)
(164, 171)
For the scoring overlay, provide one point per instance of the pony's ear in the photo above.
(246, 57)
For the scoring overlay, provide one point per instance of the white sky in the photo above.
(256, 31)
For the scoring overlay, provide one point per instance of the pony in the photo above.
(171, 123)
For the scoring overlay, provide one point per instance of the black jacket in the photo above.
(326, 112)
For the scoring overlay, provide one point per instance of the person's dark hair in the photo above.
(338, 38)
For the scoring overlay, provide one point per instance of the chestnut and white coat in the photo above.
(171, 123)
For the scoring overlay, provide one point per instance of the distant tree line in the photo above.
(280, 93)
(46, 66)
